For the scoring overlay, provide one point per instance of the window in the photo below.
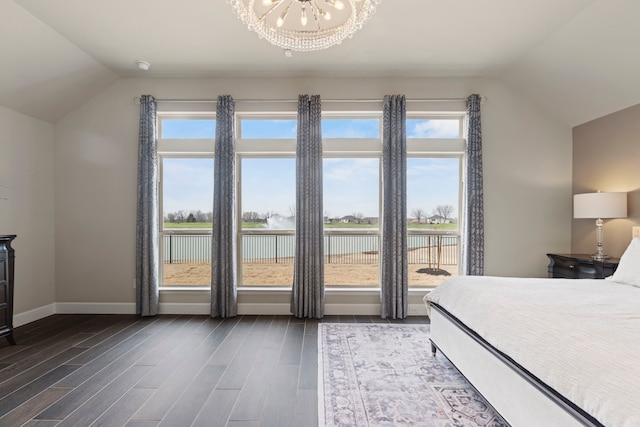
(268, 188)
(433, 193)
(351, 204)
(186, 199)
(266, 197)
(434, 189)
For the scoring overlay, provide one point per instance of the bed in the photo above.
(546, 352)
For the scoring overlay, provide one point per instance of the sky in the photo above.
(351, 185)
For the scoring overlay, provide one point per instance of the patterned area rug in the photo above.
(384, 375)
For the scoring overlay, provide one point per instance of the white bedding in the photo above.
(580, 337)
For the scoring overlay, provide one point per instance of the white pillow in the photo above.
(628, 271)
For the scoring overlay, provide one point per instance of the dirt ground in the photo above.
(335, 274)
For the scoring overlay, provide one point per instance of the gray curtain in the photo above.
(307, 294)
(147, 235)
(224, 294)
(394, 281)
(473, 230)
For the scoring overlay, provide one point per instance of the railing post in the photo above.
(276, 236)
(329, 246)
(170, 249)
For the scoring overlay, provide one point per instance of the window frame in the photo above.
(257, 148)
(441, 148)
(348, 147)
(179, 148)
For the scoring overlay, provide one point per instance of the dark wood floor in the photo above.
(121, 370)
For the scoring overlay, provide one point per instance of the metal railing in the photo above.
(339, 248)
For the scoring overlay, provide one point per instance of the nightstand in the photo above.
(580, 266)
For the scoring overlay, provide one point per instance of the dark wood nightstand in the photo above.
(580, 266)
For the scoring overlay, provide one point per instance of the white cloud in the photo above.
(351, 170)
(441, 128)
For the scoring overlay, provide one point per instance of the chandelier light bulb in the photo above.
(339, 5)
(280, 21)
(303, 16)
(326, 15)
(267, 2)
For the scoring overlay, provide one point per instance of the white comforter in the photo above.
(581, 337)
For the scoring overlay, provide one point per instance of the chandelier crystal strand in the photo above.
(304, 25)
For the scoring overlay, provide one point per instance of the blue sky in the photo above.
(350, 184)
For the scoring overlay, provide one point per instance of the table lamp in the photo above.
(600, 205)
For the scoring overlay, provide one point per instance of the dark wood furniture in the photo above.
(580, 266)
(7, 256)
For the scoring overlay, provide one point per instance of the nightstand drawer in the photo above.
(580, 266)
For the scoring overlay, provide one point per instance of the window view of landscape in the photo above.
(266, 218)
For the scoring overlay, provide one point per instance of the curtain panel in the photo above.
(473, 228)
(307, 294)
(394, 291)
(224, 289)
(147, 226)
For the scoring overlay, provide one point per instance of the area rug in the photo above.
(375, 374)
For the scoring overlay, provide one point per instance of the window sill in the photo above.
(280, 289)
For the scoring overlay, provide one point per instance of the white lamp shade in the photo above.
(600, 205)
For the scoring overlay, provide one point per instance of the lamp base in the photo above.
(599, 255)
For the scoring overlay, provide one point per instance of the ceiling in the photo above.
(574, 57)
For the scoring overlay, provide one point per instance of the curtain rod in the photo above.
(483, 99)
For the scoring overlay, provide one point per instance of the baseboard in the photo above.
(95, 308)
(33, 315)
(272, 309)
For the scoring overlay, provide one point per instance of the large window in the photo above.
(266, 197)
(186, 198)
(434, 187)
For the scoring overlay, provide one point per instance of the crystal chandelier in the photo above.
(304, 25)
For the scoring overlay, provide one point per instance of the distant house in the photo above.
(439, 219)
(369, 220)
(436, 219)
(349, 219)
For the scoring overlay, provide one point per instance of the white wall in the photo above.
(26, 209)
(527, 157)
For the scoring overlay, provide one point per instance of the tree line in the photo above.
(188, 216)
(442, 211)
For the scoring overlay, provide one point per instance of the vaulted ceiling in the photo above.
(577, 58)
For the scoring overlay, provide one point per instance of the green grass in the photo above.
(434, 226)
(187, 225)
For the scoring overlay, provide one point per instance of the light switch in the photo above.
(635, 232)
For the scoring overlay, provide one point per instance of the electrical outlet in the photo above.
(635, 232)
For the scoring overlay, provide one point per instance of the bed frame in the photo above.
(519, 396)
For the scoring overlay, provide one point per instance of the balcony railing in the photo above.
(339, 248)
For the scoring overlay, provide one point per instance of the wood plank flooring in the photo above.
(168, 370)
